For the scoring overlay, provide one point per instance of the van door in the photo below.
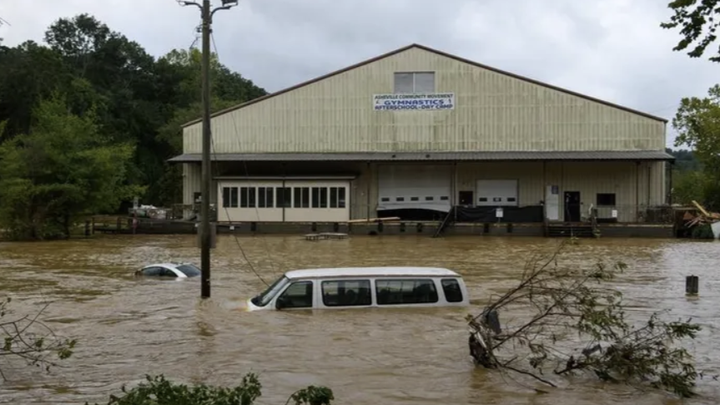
(297, 295)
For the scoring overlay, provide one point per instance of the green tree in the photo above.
(698, 23)
(685, 160)
(137, 100)
(690, 186)
(697, 122)
(228, 89)
(62, 168)
(30, 72)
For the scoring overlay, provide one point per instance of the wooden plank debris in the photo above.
(325, 236)
(365, 220)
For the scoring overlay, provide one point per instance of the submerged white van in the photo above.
(363, 287)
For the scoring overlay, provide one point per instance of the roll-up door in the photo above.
(414, 187)
(497, 193)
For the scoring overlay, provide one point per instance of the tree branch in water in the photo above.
(560, 302)
(31, 340)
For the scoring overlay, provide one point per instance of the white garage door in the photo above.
(497, 193)
(415, 186)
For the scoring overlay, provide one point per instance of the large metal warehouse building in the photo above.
(416, 131)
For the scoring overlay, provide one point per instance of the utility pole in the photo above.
(205, 237)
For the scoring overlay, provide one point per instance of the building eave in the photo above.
(626, 155)
(437, 52)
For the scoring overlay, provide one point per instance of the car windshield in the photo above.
(266, 296)
(189, 270)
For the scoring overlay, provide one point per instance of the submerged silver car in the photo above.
(174, 270)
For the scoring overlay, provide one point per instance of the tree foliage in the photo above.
(698, 23)
(578, 324)
(27, 338)
(159, 391)
(136, 100)
(62, 168)
(697, 122)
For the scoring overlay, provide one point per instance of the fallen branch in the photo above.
(31, 340)
(577, 301)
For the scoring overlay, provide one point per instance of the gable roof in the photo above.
(437, 52)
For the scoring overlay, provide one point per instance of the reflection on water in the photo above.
(128, 327)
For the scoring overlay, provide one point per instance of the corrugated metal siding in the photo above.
(589, 178)
(493, 112)
(192, 173)
(191, 182)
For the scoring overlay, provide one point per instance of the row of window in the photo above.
(346, 293)
(283, 197)
(428, 198)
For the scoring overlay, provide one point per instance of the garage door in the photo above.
(497, 193)
(414, 187)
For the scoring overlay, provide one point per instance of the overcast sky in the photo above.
(610, 49)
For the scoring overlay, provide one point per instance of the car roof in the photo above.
(166, 264)
(370, 272)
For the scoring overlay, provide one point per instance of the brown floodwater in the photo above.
(128, 327)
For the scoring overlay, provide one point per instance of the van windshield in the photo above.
(266, 296)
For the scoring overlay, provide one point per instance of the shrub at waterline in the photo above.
(159, 391)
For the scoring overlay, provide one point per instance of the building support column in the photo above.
(637, 191)
(544, 190)
(284, 175)
(454, 189)
(669, 192)
(648, 200)
(367, 190)
(561, 197)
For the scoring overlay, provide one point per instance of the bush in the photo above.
(159, 391)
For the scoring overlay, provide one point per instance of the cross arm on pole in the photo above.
(189, 3)
(226, 5)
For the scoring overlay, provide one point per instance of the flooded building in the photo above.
(418, 133)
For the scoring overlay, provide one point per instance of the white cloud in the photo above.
(610, 49)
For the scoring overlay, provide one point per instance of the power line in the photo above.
(227, 212)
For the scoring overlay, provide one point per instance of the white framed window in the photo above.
(414, 82)
(230, 197)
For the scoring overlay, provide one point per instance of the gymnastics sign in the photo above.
(414, 102)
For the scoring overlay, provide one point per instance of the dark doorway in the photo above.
(466, 197)
(572, 206)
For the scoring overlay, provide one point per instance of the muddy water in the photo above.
(128, 327)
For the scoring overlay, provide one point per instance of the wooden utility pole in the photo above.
(205, 233)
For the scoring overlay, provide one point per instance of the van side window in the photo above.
(404, 291)
(452, 291)
(345, 293)
(298, 295)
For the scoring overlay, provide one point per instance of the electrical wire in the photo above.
(227, 212)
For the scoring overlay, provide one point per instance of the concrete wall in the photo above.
(493, 112)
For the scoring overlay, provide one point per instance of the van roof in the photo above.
(370, 272)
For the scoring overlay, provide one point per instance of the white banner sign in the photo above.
(412, 102)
